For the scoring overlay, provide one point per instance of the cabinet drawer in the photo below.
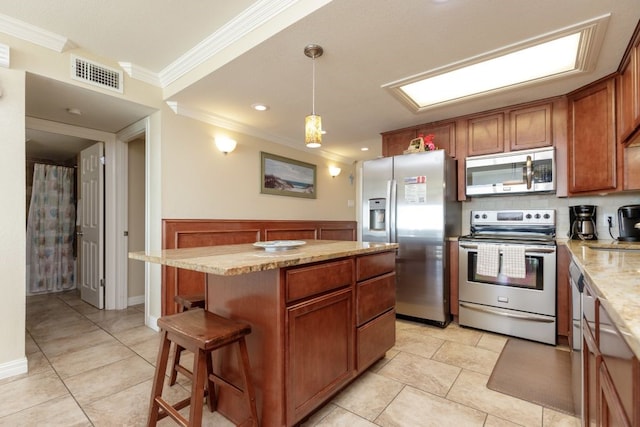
(374, 265)
(375, 296)
(304, 282)
(375, 339)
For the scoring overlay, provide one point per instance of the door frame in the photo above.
(111, 241)
(122, 185)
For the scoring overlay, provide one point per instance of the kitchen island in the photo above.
(321, 314)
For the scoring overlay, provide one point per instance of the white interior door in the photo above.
(92, 225)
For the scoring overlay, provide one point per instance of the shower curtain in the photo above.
(50, 230)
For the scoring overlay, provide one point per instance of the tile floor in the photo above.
(94, 368)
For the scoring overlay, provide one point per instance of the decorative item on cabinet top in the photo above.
(420, 144)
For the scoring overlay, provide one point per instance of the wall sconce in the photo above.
(225, 144)
(334, 171)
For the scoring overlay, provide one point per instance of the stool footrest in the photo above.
(222, 382)
(172, 410)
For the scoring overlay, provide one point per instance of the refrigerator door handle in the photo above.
(391, 223)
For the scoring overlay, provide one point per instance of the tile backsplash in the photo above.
(607, 205)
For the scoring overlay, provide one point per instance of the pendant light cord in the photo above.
(313, 86)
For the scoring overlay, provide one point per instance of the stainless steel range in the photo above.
(508, 274)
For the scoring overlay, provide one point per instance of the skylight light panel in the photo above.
(570, 50)
(536, 62)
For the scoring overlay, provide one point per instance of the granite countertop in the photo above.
(230, 260)
(613, 268)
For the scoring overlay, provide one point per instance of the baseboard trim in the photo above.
(152, 322)
(137, 300)
(15, 367)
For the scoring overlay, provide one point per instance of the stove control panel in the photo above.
(514, 217)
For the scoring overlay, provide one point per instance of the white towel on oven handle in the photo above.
(513, 261)
(488, 261)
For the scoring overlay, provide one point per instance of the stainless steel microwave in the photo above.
(516, 172)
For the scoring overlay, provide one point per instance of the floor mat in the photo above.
(534, 372)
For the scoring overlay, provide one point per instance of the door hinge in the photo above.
(102, 160)
(102, 283)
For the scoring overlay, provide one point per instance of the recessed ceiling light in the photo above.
(564, 52)
(260, 107)
(364, 149)
(74, 111)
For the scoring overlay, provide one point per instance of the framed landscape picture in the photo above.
(287, 177)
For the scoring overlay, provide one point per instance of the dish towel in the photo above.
(488, 260)
(513, 261)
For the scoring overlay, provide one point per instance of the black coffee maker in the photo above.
(583, 222)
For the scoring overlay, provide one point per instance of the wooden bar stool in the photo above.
(185, 302)
(201, 332)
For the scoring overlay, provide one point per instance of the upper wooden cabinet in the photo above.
(628, 92)
(444, 135)
(395, 142)
(485, 134)
(531, 127)
(592, 154)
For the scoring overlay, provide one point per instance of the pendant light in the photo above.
(313, 122)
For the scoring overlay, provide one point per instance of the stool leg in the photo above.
(177, 352)
(158, 379)
(211, 388)
(197, 387)
(249, 393)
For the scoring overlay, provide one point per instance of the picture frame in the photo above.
(282, 176)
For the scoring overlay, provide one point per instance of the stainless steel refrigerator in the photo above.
(412, 200)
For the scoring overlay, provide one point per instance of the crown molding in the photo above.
(31, 33)
(140, 73)
(250, 19)
(4, 55)
(234, 126)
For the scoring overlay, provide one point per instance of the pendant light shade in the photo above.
(313, 131)
(313, 122)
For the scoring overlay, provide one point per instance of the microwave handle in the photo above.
(529, 172)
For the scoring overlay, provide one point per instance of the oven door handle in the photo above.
(512, 315)
(528, 250)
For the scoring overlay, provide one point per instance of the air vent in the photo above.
(96, 74)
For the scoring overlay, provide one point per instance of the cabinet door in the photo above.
(394, 143)
(319, 351)
(530, 127)
(627, 97)
(444, 136)
(612, 413)
(486, 135)
(590, 360)
(632, 166)
(591, 140)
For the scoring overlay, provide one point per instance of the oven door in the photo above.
(535, 293)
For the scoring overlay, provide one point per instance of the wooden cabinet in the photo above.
(592, 149)
(395, 142)
(375, 302)
(485, 134)
(531, 127)
(611, 372)
(619, 376)
(632, 165)
(320, 351)
(628, 92)
(444, 135)
(512, 129)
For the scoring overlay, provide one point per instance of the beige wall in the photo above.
(135, 202)
(13, 220)
(198, 181)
